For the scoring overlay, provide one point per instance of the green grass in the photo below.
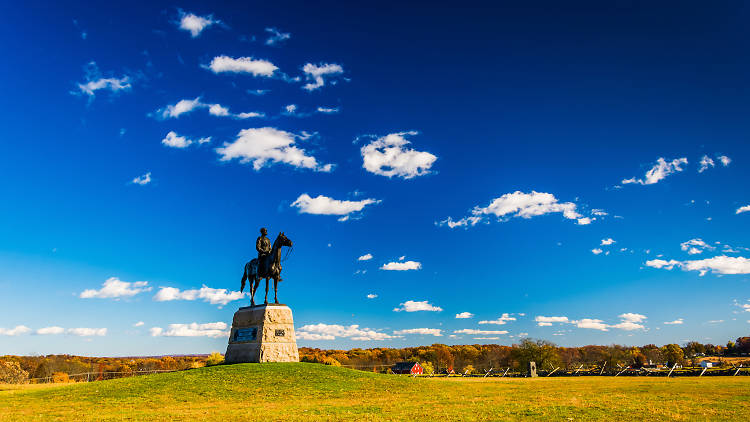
(316, 392)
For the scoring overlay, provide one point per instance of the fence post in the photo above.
(670, 371)
(737, 371)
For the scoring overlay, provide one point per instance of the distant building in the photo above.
(413, 368)
(707, 364)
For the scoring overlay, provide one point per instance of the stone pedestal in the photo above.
(262, 333)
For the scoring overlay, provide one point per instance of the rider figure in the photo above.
(263, 246)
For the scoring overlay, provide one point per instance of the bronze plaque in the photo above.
(279, 333)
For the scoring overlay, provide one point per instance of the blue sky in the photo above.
(571, 172)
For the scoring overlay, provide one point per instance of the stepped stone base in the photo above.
(262, 333)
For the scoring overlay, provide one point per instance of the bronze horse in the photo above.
(272, 266)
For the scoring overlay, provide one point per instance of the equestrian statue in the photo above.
(267, 265)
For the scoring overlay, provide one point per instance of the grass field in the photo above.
(316, 392)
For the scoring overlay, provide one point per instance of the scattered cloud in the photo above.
(142, 180)
(596, 251)
(317, 74)
(705, 163)
(139, 324)
(696, 246)
(724, 160)
(504, 318)
(365, 257)
(207, 294)
(176, 141)
(372, 296)
(332, 331)
(210, 329)
(256, 67)
(423, 331)
(328, 110)
(520, 204)
(545, 321)
(50, 330)
(659, 171)
(276, 36)
(16, 331)
(195, 24)
(114, 288)
(323, 205)
(174, 111)
(464, 315)
(267, 145)
(389, 156)
(593, 324)
(402, 266)
(609, 241)
(96, 82)
(414, 306)
(678, 321)
(479, 332)
(87, 332)
(721, 264)
(630, 321)
(742, 209)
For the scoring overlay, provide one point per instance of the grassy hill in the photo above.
(311, 391)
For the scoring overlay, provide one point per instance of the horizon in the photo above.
(473, 175)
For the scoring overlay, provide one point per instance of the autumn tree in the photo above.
(12, 373)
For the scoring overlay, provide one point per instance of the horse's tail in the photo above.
(244, 277)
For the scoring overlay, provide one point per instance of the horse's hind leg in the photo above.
(253, 287)
(265, 301)
(276, 290)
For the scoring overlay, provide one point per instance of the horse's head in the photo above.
(283, 240)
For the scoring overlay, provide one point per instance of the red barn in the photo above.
(412, 368)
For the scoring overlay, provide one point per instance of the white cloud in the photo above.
(721, 264)
(520, 204)
(606, 242)
(87, 332)
(207, 294)
(265, 145)
(276, 36)
(594, 324)
(16, 331)
(544, 321)
(659, 171)
(111, 84)
(479, 332)
(389, 156)
(256, 67)
(176, 141)
(249, 115)
(724, 160)
(139, 324)
(181, 107)
(291, 108)
(372, 296)
(630, 321)
(402, 266)
(195, 24)
(414, 306)
(423, 331)
(365, 257)
(316, 73)
(218, 110)
(742, 209)
(323, 205)
(695, 246)
(596, 251)
(50, 330)
(211, 329)
(328, 110)
(142, 180)
(504, 318)
(464, 315)
(330, 332)
(705, 163)
(113, 287)
(599, 212)
(678, 321)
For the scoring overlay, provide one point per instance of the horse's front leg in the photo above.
(253, 287)
(276, 290)
(265, 301)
